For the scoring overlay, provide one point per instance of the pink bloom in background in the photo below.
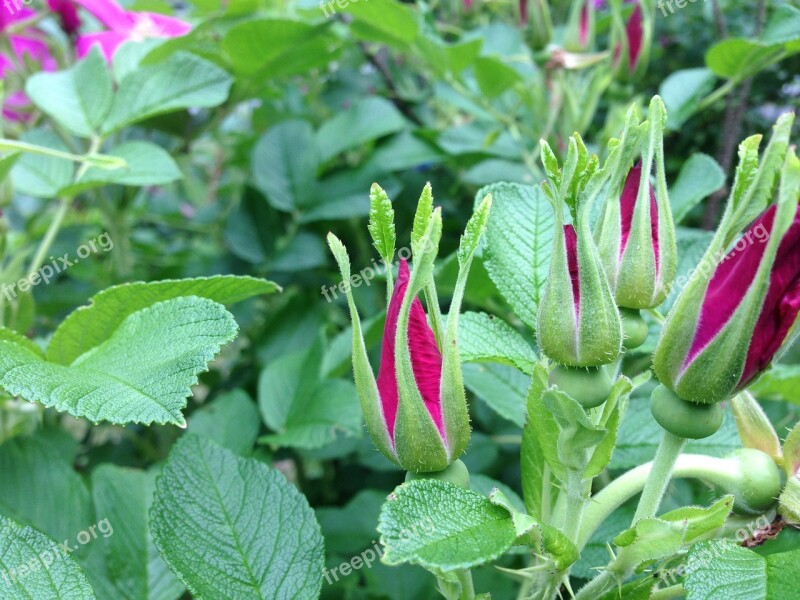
(27, 46)
(426, 359)
(125, 26)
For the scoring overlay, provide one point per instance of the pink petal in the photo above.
(7, 16)
(523, 11)
(109, 13)
(781, 305)
(729, 284)
(426, 359)
(108, 41)
(630, 193)
(634, 33)
(571, 240)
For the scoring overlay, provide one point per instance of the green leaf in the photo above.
(700, 176)
(146, 164)
(715, 565)
(539, 450)
(304, 411)
(502, 387)
(90, 325)
(655, 539)
(442, 526)
(181, 81)
(781, 382)
(740, 58)
(381, 223)
(367, 120)
(142, 373)
(577, 434)
(78, 98)
(486, 338)
(386, 21)
(254, 44)
(233, 527)
(682, 92)
(41, 489)
(519, 242)
(42, 176)
(783, 26)
(122, 497)
(494, 76)
(285, 176)
(231, 420)
(33, 566)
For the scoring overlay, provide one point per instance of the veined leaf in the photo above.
(91, 325)
(485, 337)
(79, 98)
(233, 527)
(181, 81)
(34, 566)
(123, 497)
(519, 242)
(142, 373)
(441, 526)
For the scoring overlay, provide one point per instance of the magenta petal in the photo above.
(571, 240)
(634, 32)
(630, 192)
(523, 12)
(108, 41)
(109, 13)
(730, 283)
(781, 305)
(426, 359)
(8, 17)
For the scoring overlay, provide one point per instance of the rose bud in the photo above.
(578, 322)
(637, 233)
(737, 313)
(416, 409)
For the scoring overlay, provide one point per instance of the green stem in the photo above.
(575, 503)
(718, 471)
(467, 587)
(597, 586)
(673, 591)
(52, 231)
(656, 485)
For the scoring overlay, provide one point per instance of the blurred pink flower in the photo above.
(27, 45)
(67, 13)
(125, 26)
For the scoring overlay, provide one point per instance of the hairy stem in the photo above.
(657, 481)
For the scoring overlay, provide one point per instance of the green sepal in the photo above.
(419, 446)
(789, 502)
(381, 228)
(754, 427)
(791, 452)
(454, 400)
(366, 386)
